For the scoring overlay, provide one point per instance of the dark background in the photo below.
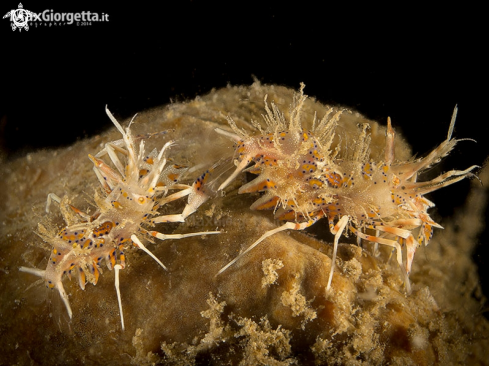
(413, 64)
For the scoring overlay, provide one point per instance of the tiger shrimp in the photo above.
(134, 191)
(303, 179)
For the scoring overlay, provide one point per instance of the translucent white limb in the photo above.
(238, 170)
(114, 121)
(407, 283)
(174, 186)
(337, 231)
(102, 181)
(161, 164)
(64, 297)
(52, 197)
(171, 197)
(34, 271)
(442, 150)
(412, 244)
(180, 236)
(66, 215)
(80, 213)
(126, 135)
(402, 233)
(116, 145)
(169, 218)
(231, 135)
(452, 123)
(140, 245)
(141, 151)
(117, 268)
(241, 165)
(59, 285)
(286, 226)
(175, 196)
(442, 180)
(383, 241)
(389, 143)
(359, 241)
(196, 199)
(376, 251)
(113, 156)
(406, 222)
(105, 173)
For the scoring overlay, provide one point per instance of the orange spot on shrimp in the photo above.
(348, 182)
(111, 258)
(308, 168)
(287, 216)
(81, 278)
(122, 257)
(198, 185)
(315, 183)
(173, 176)
(316, 154)
(334, 179)
(367, 170)
(268, 161)
(143, 172)
(76, 210)
(318, 200)
(426, 231)
(316, 215)
(373, 212)
(103, 229)
(117, 205)
(260, 185)
(396, 198)
(256, 170)
(268, 204)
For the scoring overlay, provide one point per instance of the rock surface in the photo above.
(270, 308)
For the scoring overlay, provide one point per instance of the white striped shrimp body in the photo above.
(134, 192)
(303, 180)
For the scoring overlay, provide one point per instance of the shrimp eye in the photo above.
(141, 200)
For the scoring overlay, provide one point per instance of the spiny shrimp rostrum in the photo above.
(133, 191)
(303, 180)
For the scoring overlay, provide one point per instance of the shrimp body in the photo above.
(133, 192)
(303, 180)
